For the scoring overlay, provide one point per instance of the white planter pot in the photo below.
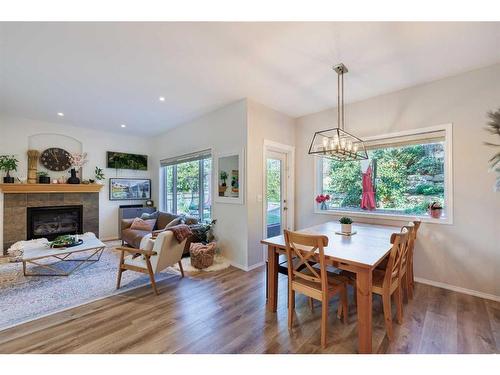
(346, 228)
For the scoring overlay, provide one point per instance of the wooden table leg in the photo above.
(364, 300)
(272, 279)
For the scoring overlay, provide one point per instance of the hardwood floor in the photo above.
(225, 312)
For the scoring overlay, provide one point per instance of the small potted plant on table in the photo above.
(8, 163)
(346, 224)
(43, 177)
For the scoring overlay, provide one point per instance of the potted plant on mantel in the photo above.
(99, 175)
(345, 224)
(8, 163)
(43, 177)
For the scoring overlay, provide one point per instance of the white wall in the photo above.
(223, 131)
(467, 253)
(263, 124)
(14, 139)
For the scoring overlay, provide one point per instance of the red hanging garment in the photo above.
(368, 197)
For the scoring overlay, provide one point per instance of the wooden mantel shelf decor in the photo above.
(49, 188)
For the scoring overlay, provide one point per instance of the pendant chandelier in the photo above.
(336, 143)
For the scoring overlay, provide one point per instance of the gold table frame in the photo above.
(97, 251)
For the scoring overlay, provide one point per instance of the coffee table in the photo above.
(93, 246)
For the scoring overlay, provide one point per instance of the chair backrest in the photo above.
(416, 223)
(408, 248)
(305, 248)
(399, 242)
(168, 251)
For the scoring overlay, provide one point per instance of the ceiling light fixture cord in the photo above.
(338, 100)
(342, 77)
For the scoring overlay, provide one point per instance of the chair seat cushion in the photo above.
(137, 261)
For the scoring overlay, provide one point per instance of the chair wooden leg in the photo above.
(180, 267)
(119, 279)
(311, 303)
(386, 302)
(291, 307)
(399, 303)
(151, 276)
(324, 320)
(120, 270)
(409, 287)
(343, 305)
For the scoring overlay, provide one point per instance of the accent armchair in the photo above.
(158, 254)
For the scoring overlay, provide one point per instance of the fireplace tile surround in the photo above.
(15, 212)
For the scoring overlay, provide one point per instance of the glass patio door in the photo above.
(275, 193)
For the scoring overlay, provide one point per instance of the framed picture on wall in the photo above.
(229, 184)
(129, 189)
(122, 160)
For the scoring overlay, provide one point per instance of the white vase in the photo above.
(346, 228)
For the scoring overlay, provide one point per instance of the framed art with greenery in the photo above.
(122, 160)
(129, 189)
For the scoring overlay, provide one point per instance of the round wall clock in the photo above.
(55, 159)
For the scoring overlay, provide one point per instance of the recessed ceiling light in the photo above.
(123, 125)
(60, 114)
(161, 98)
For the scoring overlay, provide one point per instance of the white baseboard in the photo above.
(458, 289)
(245, 268)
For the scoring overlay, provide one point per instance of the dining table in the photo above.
(359, 253)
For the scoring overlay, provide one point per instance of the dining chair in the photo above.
(163, 252)
(411, 251)
(405, 259)
(313, 282)
(386, 282)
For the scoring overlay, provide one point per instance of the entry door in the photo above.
(276, 193)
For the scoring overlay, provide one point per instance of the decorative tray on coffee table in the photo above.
(65, 241)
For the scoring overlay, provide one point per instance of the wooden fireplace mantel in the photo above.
(49, 188)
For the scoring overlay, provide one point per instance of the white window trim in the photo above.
(448, 183)
(162, 199)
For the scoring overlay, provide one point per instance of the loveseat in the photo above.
(133, 237)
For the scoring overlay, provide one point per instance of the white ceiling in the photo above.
(104, 74)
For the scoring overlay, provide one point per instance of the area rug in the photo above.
(220, 263)
(26, 298)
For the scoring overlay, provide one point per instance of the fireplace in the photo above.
(50, 222)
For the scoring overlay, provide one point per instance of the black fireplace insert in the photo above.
(50, 222)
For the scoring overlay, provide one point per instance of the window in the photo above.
(405, 172)
(187, 185)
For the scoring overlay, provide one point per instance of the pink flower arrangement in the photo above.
(322, 198)
(78, 160)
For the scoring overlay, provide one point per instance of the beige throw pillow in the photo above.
(140, 224)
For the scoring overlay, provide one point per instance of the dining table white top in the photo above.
(366, 248)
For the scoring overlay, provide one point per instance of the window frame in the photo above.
(385, 139)
(201, 171)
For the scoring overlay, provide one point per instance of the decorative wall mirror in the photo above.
(229, 178)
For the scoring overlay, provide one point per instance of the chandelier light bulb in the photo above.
(342, 143)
